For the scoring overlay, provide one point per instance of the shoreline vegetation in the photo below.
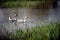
(46, 32)
(27, 4)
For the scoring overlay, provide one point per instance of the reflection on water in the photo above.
(35, 17)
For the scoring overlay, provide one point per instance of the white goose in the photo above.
(18, 20)
(22, 20)
(12, 20)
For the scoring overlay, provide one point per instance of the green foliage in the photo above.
(19, 4)
(46, 32)
(27, 4)
(23, 0)
(2, 1)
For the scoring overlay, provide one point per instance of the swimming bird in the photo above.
(22, 20)
(12, 19)
(18, 20)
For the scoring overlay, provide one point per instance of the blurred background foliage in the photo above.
(38, 4)
(1, 1)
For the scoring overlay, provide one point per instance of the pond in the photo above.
(36, 17)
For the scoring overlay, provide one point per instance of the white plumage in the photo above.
(19, 20)
(10, 19)
(22, 20)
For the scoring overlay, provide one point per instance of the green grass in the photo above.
(19, 4)
(46, 32)
(28, 4)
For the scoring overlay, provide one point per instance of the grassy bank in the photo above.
(28, 4)
(46, 32)
(19, 4)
